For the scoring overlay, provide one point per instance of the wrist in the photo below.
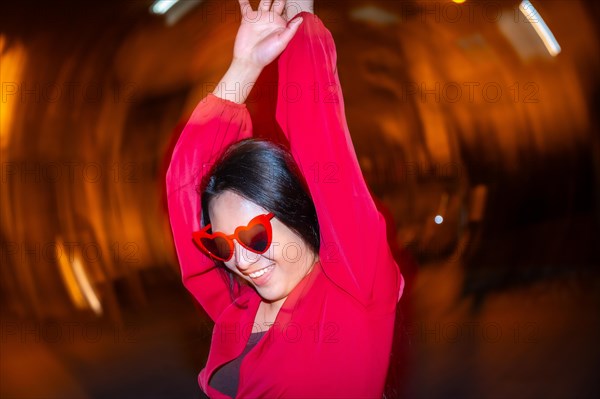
(245, 66)
(238, 81)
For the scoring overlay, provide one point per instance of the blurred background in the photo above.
(476, 126)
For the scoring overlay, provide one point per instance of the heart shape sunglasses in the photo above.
(255, 237)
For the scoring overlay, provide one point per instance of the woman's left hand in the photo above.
(263, 33)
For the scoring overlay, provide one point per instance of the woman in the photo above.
(285, 250)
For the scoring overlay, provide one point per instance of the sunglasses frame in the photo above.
(264, 219)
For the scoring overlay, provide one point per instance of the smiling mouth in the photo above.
(261, 272)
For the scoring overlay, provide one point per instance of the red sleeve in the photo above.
(214, 125)
(310, 110)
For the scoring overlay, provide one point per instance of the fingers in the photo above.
(279, 6)
(265, 5)
(244, 4)
(290, 31)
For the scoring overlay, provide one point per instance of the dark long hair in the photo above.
(265, 173)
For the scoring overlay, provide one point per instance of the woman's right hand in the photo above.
(263, 34)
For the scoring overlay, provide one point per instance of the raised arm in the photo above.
(261, 37)
(310, 110)
(218, 121)
(214, 125)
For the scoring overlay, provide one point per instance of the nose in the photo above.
(243, 257)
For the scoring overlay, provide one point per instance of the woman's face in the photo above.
(286, 261)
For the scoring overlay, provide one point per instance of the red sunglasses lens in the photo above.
(256, 238)
(217, 246)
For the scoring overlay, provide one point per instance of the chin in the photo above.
(270, 294)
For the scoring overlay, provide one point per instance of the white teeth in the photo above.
(260, 272)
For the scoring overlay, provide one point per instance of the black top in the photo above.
(226, 378)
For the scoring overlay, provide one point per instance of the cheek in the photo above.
(287, 249)
(273, 252)
(229, 266)
(278, 244)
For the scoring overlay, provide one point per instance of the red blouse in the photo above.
(332, 336)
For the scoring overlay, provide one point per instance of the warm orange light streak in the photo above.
(85, 286)
(69, 278)
(77, 280)
(13, 64)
